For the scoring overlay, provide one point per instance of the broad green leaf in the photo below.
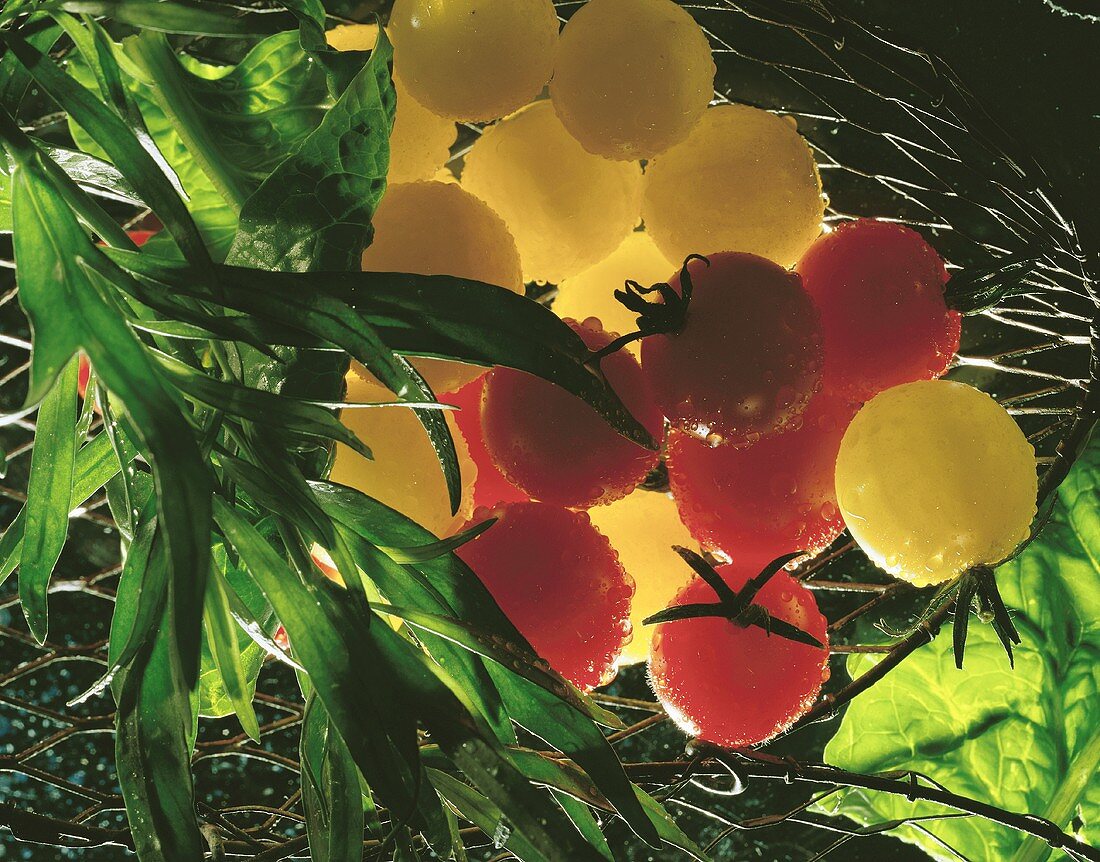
(53, 258)
(221, 639)
(49, 491)
(225, 131)
(95, 466)
(120, 144)
(330, 790)
(1025, 740)
(153, 752)
(314, 211)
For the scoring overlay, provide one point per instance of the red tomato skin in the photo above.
(879, 288)
(491, 486)
(559, 581)
(556, 448)
(771, 498)
(732, 686)
(747, 359)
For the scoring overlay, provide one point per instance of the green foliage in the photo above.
(1026, 739)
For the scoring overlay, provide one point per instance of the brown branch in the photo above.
(38, 828)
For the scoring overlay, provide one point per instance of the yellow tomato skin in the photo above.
(632, 77)
(933, 478)
(437, 228)
(642, 527)
(592, 292)
(743, 180)
(420, 142)
(566, 208)
(474, 60)
(405, 473)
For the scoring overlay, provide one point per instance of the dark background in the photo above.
(1037, 71)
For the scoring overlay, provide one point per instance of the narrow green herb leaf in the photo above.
(549, 717)
(586, 823)
(487, 817)
(49, 491)
(221, 635)
(380, 733)
(139, 604)
(415, 315)
(14, 79)
(95, 176)
(120, 144)
(95, 466)
(330, 790)
(276, 411)
(184, 18)
(153, 752)
(54, 257)
(470, 744)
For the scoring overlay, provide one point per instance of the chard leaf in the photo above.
(1024, 740)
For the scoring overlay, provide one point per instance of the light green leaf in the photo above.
(1025, 740)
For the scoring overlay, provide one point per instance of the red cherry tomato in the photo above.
(773, 497)
(735, 686)
(555, 447)
(491, 486)
(746, 359)
(879, 289)
(560, 583)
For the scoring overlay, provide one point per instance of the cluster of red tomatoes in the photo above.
(756, 372)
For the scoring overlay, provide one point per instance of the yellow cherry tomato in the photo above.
(420, 142)
(566, 208)
(405, 473)
(474, 60)
(933, 478)
(592, 292)
(632, 77)
(642, 527)
(743, 180)
(436, 228)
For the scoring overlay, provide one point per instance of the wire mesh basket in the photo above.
(896, 136)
